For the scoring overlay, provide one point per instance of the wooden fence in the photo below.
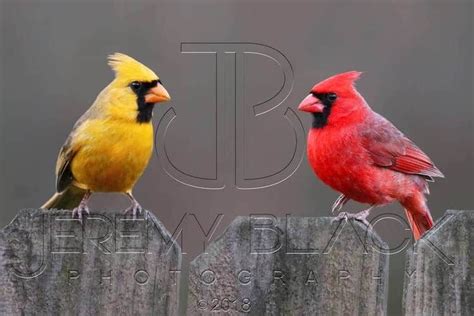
(261, 265)
(52, 265)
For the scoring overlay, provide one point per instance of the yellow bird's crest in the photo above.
(128, 69)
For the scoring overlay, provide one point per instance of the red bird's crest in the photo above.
(341, 83)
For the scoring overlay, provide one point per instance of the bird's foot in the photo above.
(361, 217)
(79, 211)
(135, 209)
(341, 216)
(82, 208)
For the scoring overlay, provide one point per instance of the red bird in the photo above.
(362, 155)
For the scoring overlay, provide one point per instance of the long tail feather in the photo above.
(68, 199)
(418, 215)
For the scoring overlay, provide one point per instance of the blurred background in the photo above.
(221, 157)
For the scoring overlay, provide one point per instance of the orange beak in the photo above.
(311, 104)
(157, 94)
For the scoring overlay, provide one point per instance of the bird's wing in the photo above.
(389, 148)
(64, 176)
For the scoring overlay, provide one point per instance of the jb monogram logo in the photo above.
(232, 114)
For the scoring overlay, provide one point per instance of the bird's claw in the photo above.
(82, 208)
(136, 209)
(361, 217)
(341, 216)
(78, 212)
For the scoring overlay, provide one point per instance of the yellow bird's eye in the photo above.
(135, 85)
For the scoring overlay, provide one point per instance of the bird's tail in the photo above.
(66, 200)
(418, 214)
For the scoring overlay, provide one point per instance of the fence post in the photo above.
(50, 264)
(264, 265)
(439, 268)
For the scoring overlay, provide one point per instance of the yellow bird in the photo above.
(110, 145)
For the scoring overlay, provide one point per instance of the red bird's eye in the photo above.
(332, 97)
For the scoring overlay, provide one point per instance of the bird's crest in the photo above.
(343, 82)
(128, 69)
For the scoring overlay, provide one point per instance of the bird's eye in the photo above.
(136, 85)
(332, 97)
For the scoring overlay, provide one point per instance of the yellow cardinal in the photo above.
(110, 145)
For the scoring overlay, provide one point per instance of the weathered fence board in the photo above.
(439, 270)
(291, 266)
(113, 265)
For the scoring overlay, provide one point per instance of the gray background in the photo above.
(416, 55)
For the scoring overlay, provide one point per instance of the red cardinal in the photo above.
(362, 155)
